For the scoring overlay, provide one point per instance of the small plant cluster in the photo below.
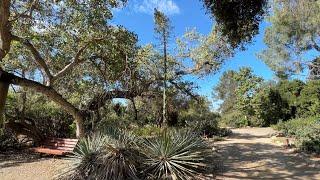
(118, 154)
(211, 129)
(306, 131)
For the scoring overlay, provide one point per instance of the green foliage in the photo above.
(147, 131)
(162, 25)
(99, 156)
(269, 107)
(248, 85)
(117, 154)
(207, 52)
(234, 119)
(238, 20)
(197, 114)
(290, 91)
(247, 100)
(174, 155)
(294, 32)
(225, 90)
(309, 100)
(237, 90)
(207, 128)
(305, 130)
(46, 115)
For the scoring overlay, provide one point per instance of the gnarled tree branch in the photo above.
(37, 56)
(76, 60)
(47, 91)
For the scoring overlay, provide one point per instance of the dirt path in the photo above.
(26, 166)
(250, 154)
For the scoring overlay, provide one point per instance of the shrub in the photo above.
(234, 119)
(305, 130)
(266, 102)
(207, 128)
(309, 101)
(174, 155)
(147, 130)
(40, 114)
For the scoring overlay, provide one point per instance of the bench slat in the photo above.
(57, 146)
(60, 148)
(65, 142)
(49, 151)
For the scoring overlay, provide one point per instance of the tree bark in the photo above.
(135, 109)
(3, 96)
(9, 78)
(5, 27)
(164, 109)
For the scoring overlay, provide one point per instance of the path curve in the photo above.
(250, 154)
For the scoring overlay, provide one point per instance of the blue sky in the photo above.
(137, 16)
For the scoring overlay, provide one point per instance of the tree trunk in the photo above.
(9, 78)
(135, 109)
(3, 96)
(164, 109)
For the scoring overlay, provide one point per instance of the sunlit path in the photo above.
(250, 154)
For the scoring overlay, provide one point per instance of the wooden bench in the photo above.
(56, 146)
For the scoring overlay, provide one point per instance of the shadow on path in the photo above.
(18, 158)
(249, 154)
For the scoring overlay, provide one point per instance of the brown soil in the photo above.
(26, 166)
(250, 154)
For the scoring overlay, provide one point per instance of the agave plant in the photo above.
(174, 155)
(104, 156)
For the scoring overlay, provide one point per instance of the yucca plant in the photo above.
(121, 156)
(174, 155)
(104, 156)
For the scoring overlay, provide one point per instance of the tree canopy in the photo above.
(237, 20)
(293, 33)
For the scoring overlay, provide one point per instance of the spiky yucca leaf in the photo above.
(174, 155)
(104, 157)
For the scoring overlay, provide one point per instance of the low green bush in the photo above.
(147, 130)
(234, 119)
(306, 131)
(210, 129)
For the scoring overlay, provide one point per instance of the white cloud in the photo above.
(169, 7)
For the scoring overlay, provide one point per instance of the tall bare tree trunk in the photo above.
(5, 43)
(4, 87)
(164, 109)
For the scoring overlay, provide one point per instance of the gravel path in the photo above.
(26, 166)
(250, 154)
